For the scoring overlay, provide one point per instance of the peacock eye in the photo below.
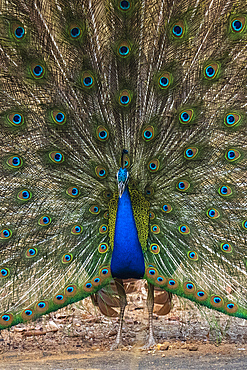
(166, 208)
(244, 224)
(186, 116)
(16, 119)
(73, 191)
(148, 133)
(56, 157)
(211, 71)
(232, 119)
(178, 29)
(5, 234)
(103, 229)
(190, 153)
(226, 247)
(100, 172)
(44, 221)
(76, 229)
(87, 80)
(184, 229)
(67, 257)
(225, 191)
(103, 248)
(18, 32)
(183, 185)
(153, 165)
(4, 272)
(58, 117)
(124, 5)
(123, 49)
(94, 209)
(31, 252)
(213, 213)
(75, 32)
(232, 155)
(238, 24)
(124, 98)
(165, 80)
(154, 248)
(192, 255)
(37, 71)
(14, 161)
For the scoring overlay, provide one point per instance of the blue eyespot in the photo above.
(237, 25)
(58, 157)
(88, 285)
(230, 306)
(41, 304)
(189, 153)
(177, 30)
(225, 247)
(45, 220)
(38, 70)
(4, 272)
(124, 5)
(185, 116)
(96, 209)
(160, 278)
(165, 208)
(223, 190)
(211, 212)
(200, 294)
(97, 280)
(124, 50)
(103, 134)
(181, 185)
(77, 229)
(88, 81)
(147, 134)
(164, 81)
(230, 119)
(152, 166)
(75, 191)
(25, 194)
(189, 286)
(210, 71)
(70, 289)
(183, 229)
(32, 252)
(124, 99)
(217, 299)
(16, 161)
(6, 233)
(67, 257)
(152, 272)
(19, 32)
(59, 297)
(60, 117)
(6, 317)
(105, 271)
(231, 154)
(172, 282)
(17, 119)
(75, 32)
(28, 312)
(102, 172)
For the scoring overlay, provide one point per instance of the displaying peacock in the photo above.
(123, 152)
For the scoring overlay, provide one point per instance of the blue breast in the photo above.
(127, 257)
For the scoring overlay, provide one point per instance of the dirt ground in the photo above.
(79, 337)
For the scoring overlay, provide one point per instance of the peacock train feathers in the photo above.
(123, 151)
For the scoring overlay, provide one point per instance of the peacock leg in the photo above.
(123, 303)
(150, 306)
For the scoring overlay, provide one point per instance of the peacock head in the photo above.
(122, 175)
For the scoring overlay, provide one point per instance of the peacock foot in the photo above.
(117, 345)
(150, 343)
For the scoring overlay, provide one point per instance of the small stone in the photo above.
(192, 347)
(163, 346)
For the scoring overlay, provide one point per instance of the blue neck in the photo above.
(127, 256)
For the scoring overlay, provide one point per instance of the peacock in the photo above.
(123, 153)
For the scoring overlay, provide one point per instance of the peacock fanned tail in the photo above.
(79, 82)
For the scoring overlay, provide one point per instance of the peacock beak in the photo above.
(121, 188)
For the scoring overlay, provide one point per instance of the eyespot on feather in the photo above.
(6, 319)
(37, 70)
(42, 306)
(148, 133)
(244, 224)
(18, 31)
(190, 153)
(232, 119)
(151, 216)
(189, 287)
(238, 24)
(101, 172)
(4, 272)
(124, 98)
(186, 116)
(103, 248)
(58, 117)
(184, 229)
(73, 191)
(225, 191)
(70, 290)
(178, 29)
(226, 247)
(155, 229)
(27, 314)
(16, 119)
(102, 133)
(105, 272)
(151, 272)
(211, 71)
(103, 229)
(232, 155)
(165, 80)
(212, 213)
(172, 284)
(59, 299)
(154, 248)
(87, 80)
(14, 161)
(75, 32)
(124, 5)
(88, 287)
(123, 49)
(216, 301)
(24, 195)
(96, 281)
(192, 255)
(56, 157)
(149, 191)
(94, 210)
(166, 208)
(31, 252)
(182, 185)
(153, 165)
(231, 307)
(160, 280)
(67, 258)
(44, 220)
(201, 295)
(5, 233)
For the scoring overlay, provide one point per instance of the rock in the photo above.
(192, 347)
(163, 346)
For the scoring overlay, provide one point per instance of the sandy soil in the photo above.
(79, 337)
